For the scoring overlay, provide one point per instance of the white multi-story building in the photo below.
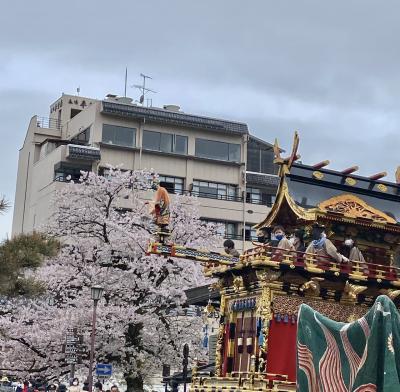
(231, 171)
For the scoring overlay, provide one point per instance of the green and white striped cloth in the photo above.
(362, 356)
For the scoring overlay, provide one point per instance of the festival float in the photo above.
(262, 291)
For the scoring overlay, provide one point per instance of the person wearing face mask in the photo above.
(281, 243)
(353, 253)
(263, 235)
(323, 248)
(75, 387)
(297, 240)
(280, 240)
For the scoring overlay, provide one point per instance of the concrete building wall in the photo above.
(36, 185)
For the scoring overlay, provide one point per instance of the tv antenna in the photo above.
(143, 89)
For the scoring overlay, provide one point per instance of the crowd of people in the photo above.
(319, 245)
(39, 385)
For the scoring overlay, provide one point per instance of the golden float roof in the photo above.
(308, 194)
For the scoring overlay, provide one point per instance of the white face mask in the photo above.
(349, 242)
(323, 235)
(292, 240)
(75, 383)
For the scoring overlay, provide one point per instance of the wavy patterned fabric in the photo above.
(362, 356)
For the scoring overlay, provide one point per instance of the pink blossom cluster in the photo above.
(105, 228)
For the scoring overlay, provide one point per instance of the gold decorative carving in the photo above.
(218, 285)
(391, 293)
(267, 276)
(283, 195)
(351, 292)
(354, 207)
(290, 304)
(382, 187)
(237, 283)
(220, 339)
(318, 175)
(312, 287)
(352, 318)
(397, 175)
(286, 163)
(264, 311)
(350, 181)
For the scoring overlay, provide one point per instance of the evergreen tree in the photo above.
(22, 255)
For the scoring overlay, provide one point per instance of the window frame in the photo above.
(228, 145)
(162, 177)
(173, 143)
(222, 190)
(134, 132)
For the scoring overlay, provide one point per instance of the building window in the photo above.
(64, 171)
(250, 233)
(260, 158)
(226, 229)
(82, 137)
(215, 190)
(119, 136)
(165, 142)
(217, 150)
(172, 184)
(259, 196)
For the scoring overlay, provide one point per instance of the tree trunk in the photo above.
(134, 384)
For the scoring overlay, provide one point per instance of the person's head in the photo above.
(349, 242)
(98, 386)
(114, 388)
(52, 387)
(5, 380)
(155, 184)
(26, 383)
(297, 237)
(278, 232)
(318, 232)
(229, 245)
(75, 381)
(62, 388)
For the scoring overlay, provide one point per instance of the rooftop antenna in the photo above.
(78, 90)
(143, 89)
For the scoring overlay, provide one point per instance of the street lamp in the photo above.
(96, 293)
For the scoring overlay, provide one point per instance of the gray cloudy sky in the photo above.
(328, 69)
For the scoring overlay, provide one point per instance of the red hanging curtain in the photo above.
(281, 355)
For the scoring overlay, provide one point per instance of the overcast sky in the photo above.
(327, 69)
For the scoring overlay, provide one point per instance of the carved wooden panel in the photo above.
(354, 207)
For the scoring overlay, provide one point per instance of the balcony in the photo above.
(48, 123)
(206, 195)
(81, 152)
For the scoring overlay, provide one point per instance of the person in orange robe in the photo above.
(161, 209)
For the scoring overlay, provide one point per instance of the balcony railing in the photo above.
(208, 195)
(239, 237)
(49, 123)
(67, 178)
(357, 270)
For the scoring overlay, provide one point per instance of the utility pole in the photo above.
(185, 364)
(126, 80)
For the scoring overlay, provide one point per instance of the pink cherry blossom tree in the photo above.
(105, 227)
